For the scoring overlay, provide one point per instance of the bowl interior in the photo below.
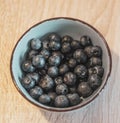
(61, 26)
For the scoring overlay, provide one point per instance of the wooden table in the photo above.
(16, 16)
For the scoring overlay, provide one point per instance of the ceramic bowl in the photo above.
(74, 27)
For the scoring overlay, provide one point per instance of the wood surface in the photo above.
(16, 16)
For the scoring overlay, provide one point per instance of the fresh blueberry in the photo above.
(66, 47)
(72, 89)
(84, 89)
(70, 78)
(94, 61)
(54, 37)
(44, 99)
(52, 95)
(63, 69)
(58, 53)
(54, 60)
(99, 70)
(27, 66)
(94, 81)
(72, 63)
(61, 101)
(58, 80)
(53, 71)
(96, 51)
(74, 99)
(38, 61)
(85, 41)
(45, 53)
(32, 53)
(54, 45)
(46, 83)
(36, 92)
(61, 89)
(80, 56)
(66, 38)
(35, 44)
(88, 50)
(45, 44)
(81, 71)
(75, 44)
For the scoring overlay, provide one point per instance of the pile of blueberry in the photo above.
(60, 71)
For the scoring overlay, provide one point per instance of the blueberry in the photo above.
(72, 63)
(54, 37)
(27, 66)
(44, 99)
(45, 44)
(54, 45)
(61, 101)
(72, 89)
(46, 83)
(80, 56)
(66, 47)
(42, 72)
(84, 89)
(45, 53)
(52, 95)
(28, 82)
(54, 60)
(58, 80)
(70, 78)
(66, 38)
(94, 61)
(94, 81)
(38, 61)
(96, 51)
(81, 71)
(99, 70)
(74, 99)
(75, 44)
(58, 53)
(35, 44)
(63, 69)
(61, 89)
(32, 53)
(88, 50)
(53, 71)
(36, 92)
(85, 41)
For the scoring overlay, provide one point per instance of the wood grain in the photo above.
(16, 16)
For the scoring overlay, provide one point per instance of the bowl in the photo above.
(62, 26)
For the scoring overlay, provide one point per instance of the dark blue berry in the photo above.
(66, 38)
(36, 92)
(73, 89)
(54, 37)
(35, 44)
(66, 47)
(70, 78)
(81, 71)
(38, 61)
(96, 51)
(88, 50)
(32, 53)
(45, 53)
(63, 69)
(75, 44)
(45, 44)
(27, 66)
(85, 41)
(61, 89)
(61, 101)
(52, 95)
(53, 71)
(94, 81)
(84, 89)
(58, 53)
(74, 99)
(44, 99)
(72, 63)
(80, 56)
(54, 45)
(58, 80)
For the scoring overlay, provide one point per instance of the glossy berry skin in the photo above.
(61, 101)
(84, 89)
(75, 44)
(28, 82)
(54, 37)
(85, 41)
(45, 44)
(54, 45)
(52, 71)
(80, 56)
(36, 92)
(44, 99)
(67, 38)
(99, 70)
(61, 89)
(32, 53)
(70, 78)
(96, 51)
(46, 83)
(94, 81)
(45, 53)
(35, 44)
(66, 47)
(38, 61)
(94, 61)
(74, 99)
(58, 53)
(58, 80)
(27, 66)
(72, 63)
(63, 69)
(81, 71)
(88, 50)
(54, 60)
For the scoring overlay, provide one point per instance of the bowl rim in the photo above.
(73, 107)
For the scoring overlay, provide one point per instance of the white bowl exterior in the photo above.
(63, 27)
